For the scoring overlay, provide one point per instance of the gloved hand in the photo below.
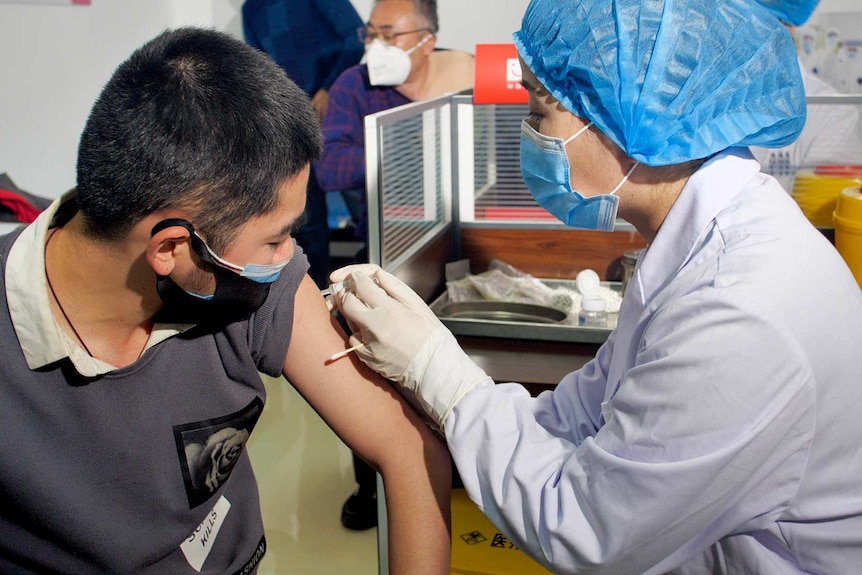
(404, 340)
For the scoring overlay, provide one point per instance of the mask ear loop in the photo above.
(195, 239)
(421, 43)
(578, 133)
(624, 180)
(215, 256)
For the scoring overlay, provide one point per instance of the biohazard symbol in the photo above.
(473, 538)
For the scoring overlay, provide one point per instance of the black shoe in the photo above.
(359, 512)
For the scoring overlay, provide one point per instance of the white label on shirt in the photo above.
(199, 544)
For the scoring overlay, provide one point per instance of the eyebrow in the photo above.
(294, 226)
(291, 228)
(527, 86)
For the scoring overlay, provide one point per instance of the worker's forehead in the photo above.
(392, 13)
(526, 73)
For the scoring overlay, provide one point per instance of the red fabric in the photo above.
(23, 210)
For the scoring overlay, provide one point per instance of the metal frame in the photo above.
(374, 125)
(840, 99)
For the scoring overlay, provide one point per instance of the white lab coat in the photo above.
(718, 430)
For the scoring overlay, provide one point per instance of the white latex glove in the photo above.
(404, 340)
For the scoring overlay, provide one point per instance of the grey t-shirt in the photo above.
(114, 474)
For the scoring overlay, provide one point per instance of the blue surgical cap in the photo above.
(668, 80)
(793, 12)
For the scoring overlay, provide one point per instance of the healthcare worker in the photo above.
(719, 428)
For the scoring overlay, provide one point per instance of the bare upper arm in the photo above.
(360, 406)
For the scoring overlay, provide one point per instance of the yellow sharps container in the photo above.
(479, 548)
(848, 229)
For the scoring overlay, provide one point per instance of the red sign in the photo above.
(497, 77)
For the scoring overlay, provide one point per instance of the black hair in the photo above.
(427, 10)
(193, 120)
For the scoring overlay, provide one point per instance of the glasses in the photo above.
(366, 35)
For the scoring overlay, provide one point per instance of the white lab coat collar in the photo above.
(705, 194)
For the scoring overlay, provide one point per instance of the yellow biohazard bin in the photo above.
(479, 548)
(848, 230)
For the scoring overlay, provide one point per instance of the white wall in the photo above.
(55, 59)
(837, 6)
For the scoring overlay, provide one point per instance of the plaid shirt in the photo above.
(351, 98)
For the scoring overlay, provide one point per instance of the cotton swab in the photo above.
(340, 354)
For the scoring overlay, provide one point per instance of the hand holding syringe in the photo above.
(328, 294)
(400, 337)
(334, 288)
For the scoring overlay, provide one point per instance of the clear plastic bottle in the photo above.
(593, 312)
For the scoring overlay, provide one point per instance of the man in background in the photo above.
(314, 41)
(402, 66)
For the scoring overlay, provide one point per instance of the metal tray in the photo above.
(501, 311)
(510, 321)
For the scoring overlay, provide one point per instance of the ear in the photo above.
(165, 246)
(428, 47)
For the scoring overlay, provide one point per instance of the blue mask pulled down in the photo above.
(237, 295)
(546, 172)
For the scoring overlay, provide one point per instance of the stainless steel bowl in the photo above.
(502, 311)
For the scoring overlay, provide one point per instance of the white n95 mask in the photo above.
(389, 65)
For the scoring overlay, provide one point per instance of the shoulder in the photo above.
(270, 328)
(348, 96)
(453, 71)
(352, 79)
(454, 58)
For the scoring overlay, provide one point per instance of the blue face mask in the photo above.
(545, 169)
(239, 290)
(261, 273)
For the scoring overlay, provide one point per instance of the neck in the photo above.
(418, 83)
(94, 295)
(646, 205)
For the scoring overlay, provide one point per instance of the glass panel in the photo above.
(499, 190)
(411, 182)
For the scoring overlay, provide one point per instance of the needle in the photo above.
(336, 287)
(340, 354)
(330, 292)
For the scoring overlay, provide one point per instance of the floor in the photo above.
(305, 473)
